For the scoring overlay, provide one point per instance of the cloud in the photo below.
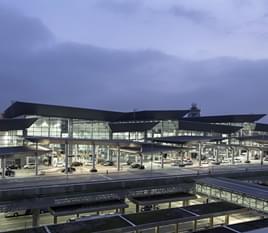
(83, 75)
(20, 32)
(196, 16)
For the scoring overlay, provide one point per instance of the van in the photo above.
(17, 213)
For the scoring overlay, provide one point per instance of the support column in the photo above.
(194, 225)
(177, 228)
(262, 156)
(169, 204)
(162, 160)
(36, 159)
(122, 210)
(35, 217)
(211, 223)
(233, 155)
(137, 208)
(55, 219)
(141, 158)
(3, 165)
(157, 229)
(185, 203)
(217, 154)
(93, 158)
(227, 219)
(199, 155)
(248, 155)
(66, 157)
(118, 158)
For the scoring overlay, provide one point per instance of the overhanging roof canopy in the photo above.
(186, 139)
(16, 124)
(261, 127)
(132, 127)
(131, 146)
(7, 151)
(258, 138)
(23, 108)
(153, 115)
(206, 127)
(238, 118)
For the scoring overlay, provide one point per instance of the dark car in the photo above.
(70, 169)
(137, 165)
(76, 164)
(13, 166)
(8, 172)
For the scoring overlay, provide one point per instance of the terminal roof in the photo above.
(256, 138)
(186, 139)
(132, 127)
(206, 127)
(35, 109)
(16, 124)
(85, 208)
(235, 186)
(162, 198)
(239, 118)
(261, 127)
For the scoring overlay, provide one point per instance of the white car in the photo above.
(88, 163)
(59, 164)
(29, 166)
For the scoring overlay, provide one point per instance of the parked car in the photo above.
(129, 161)
(188, 162)
(108, 163)
(88, 163)
(29, 166)
(76, 164)
(8, 172)
(137, 165)
(60, 164)
(23, 213)
(17, 213)
(70, 169)
(13, 166)
(147, 208)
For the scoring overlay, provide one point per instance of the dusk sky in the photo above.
(136, 54)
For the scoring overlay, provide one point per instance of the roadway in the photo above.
(72, 179)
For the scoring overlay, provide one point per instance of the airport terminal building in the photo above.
(42, 134)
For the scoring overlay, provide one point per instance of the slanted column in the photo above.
(93, 158)
(118, 158)
(35, 217)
